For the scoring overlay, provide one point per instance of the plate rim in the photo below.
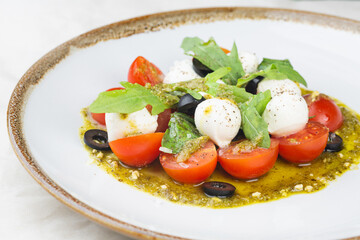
(122, 29)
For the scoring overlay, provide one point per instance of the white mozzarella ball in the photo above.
(181, 71)
(123, 125)
(218, 119)
(278, 87)
(286, 114)
(249, 62)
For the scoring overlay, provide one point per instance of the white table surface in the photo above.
(28, 30)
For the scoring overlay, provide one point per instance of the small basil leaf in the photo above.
(254, 126)
(181, 129)
(284, 67)
(193, 93)
(212, 56)
(131, 99)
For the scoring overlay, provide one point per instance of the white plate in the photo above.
(44, 120)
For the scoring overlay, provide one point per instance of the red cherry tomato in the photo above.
(100, 117)
(196, 169)
(137, 151)
(248, 164)
(324, 110)
(142, 71)
(305, 145)
(163, 119)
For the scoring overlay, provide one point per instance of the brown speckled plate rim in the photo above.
(148, 23)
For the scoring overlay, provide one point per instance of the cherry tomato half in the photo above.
(137, 151)
(324, 110)
(142, 71)
(248, 164)
(196, 169)
(163, 119)
(100, 117)
(305, 145)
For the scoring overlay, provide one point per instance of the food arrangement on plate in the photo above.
(220, 129)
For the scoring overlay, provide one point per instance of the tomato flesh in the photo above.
(163, 119)
(137, 151)
(324, 110)
(248, 164)
(305, 145)
(196, 169)
(99, 118)
(142, 71)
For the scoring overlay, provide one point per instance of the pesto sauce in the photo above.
(191, 147)
(165, 91)
(283, 180)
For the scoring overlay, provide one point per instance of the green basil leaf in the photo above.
(239, 95)
(274, 69)
(254, 126)
(181, 129)
(283, 67)
(260, 100)
(131, 99)
(217, 74)
(212, 56)
(267, 61)
(248, 78)
(193, 93)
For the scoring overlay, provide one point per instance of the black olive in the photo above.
(251, 86)
(334, 143)
(96, 139)
(200, 68)
(218, 189)
(188, 104)
(240, 135)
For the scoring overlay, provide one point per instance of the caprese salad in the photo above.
(218, 106)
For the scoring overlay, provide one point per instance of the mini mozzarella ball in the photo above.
(181, 71)
(286, 114)
(278, 87)
(249, 62)
(218, 119)
(120, 125)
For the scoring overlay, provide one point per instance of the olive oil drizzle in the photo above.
(283, 180)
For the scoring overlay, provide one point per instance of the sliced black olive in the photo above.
(188, 104)
(251, 86)
(200, 68)
(96, 139)
(334, 143)
(218, 189)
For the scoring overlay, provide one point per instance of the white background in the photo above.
(28, 30)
